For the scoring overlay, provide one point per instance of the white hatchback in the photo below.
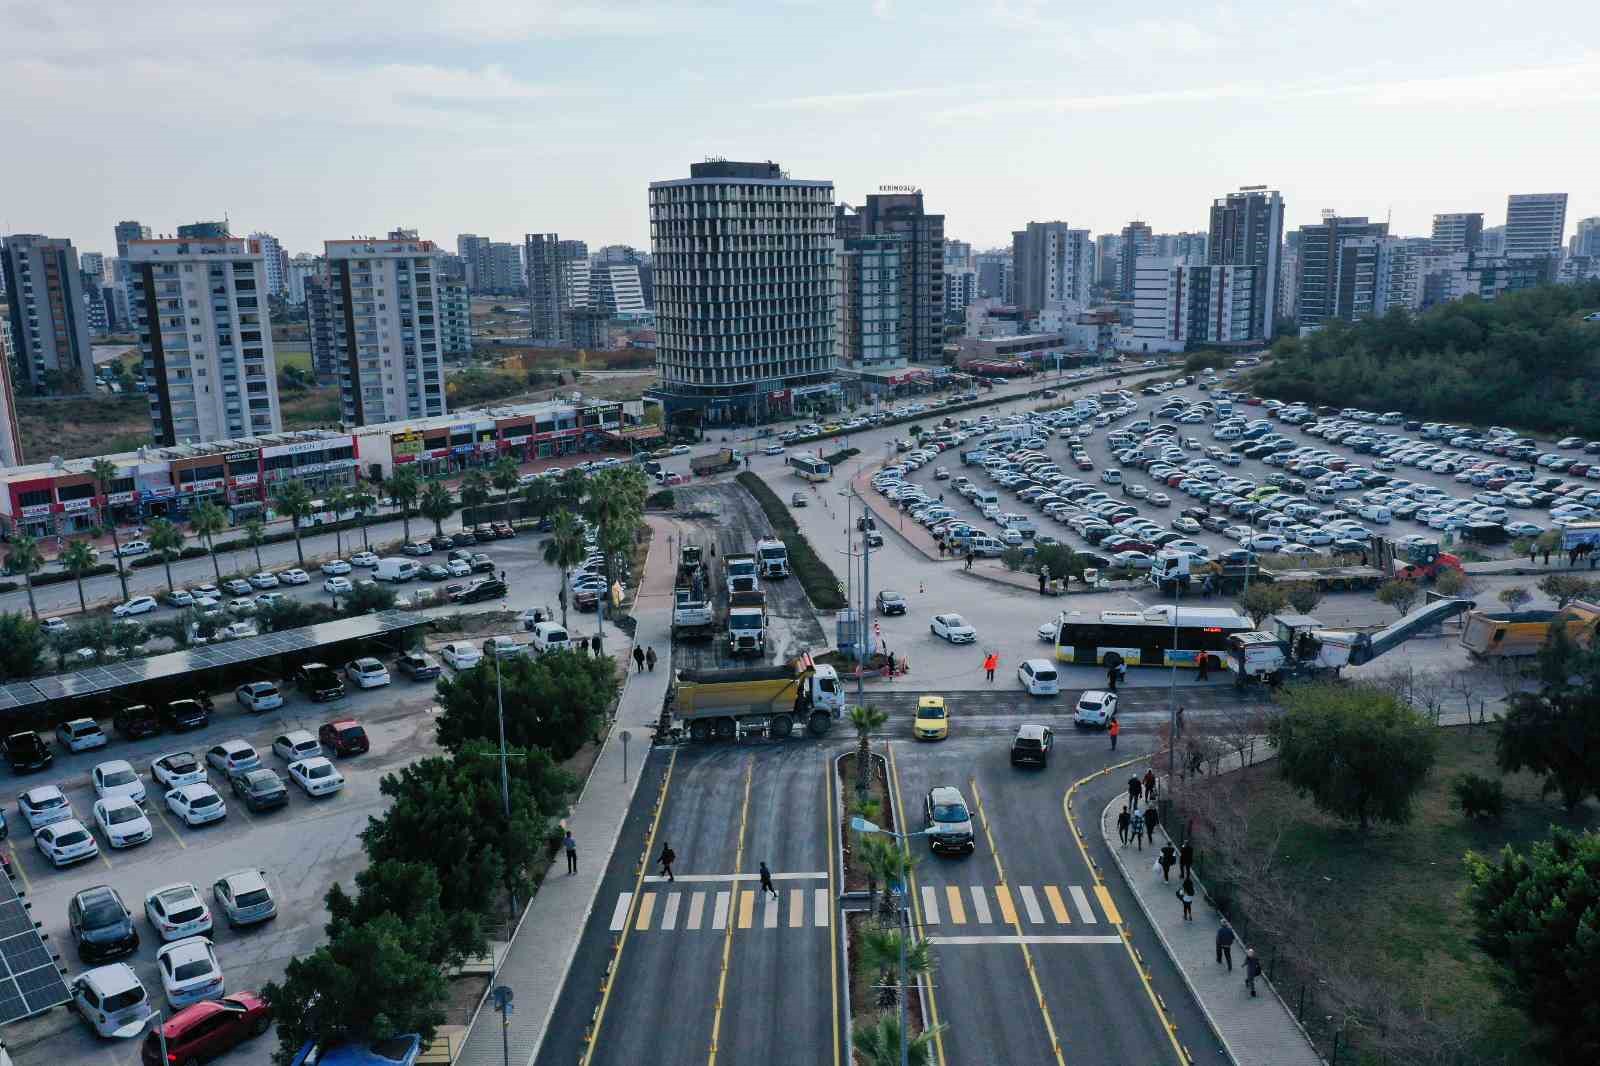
(1039, 677)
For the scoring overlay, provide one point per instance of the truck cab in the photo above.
(741, 572)
(772, 558)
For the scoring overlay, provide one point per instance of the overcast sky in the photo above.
(318, 119)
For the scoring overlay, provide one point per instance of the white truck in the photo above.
(740, 573)
(772, 557)
(692, 612)
(747, 623)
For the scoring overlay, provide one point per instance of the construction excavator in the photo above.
(1299, 646)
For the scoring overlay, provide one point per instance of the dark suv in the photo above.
(949, 821)
(1032, 745)
(26, 752)
(101, 925)
(319, 681)
(139, 720)
(490, 588)
(185, 714)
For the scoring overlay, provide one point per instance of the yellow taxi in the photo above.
(932, 721)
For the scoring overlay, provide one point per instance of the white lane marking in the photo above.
(669, 913)
(651, 879)
(1081, 901)
(697, 908)
(930, 906)
(1031, 904)
(980, 905)
(821, 908)
(769, 911)
(797, 908)
(619, 917)
(719, 915)
(1043, 938)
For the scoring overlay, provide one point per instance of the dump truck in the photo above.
(1179, 569)
(772, 700)
(747, 622)
(714, 462)
(740, 573)
(1299, 646)
(772, 557)
(692, 611)
(1501, 634)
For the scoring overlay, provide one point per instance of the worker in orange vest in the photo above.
(990, 662)
(1114, 729)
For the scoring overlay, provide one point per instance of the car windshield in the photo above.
(120, 777)
(128, 997)
(265, 690)
(1027, 744)
(891, 597)
(102, 911)
(188, 971)
(67, 840)
(319, 771)
(181, 763)
(119, 815)
(182, 905)
(253, 898)
(949, 812)
(930, 712)
(745, 622)
(48, 803)
(353, 732)
(955, 621)
(1090, 703)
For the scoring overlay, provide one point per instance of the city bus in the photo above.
(1148, 637)
(810, 468)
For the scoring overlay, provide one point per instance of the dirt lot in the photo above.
(75, 426)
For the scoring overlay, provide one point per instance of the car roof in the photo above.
(345, 723)
(190, 947)
(295, 736)
(43, 792)
(114, 764)
(311, 760)
(1030, 730)
(946, 794)
(96, 892)
(930, 701)
(244, 880)
(235, 744)
(112, 979)
(1039, 664)
(176, 755)
(195, 788)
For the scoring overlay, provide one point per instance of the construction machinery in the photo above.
(716, 462)
(771, 700)
(1500, 634)
(692, 611)
(1299, 646)
(772, 557)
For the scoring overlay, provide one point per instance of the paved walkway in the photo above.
(542, 949)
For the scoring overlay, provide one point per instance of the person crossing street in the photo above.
(766, 881)
(668, 857)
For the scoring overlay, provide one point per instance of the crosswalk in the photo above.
(664, 907)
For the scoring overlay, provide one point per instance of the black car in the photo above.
(139, 720)
(891, 602)
(101, 925)
(481, 564)
(464, 539)
(319, 681)
(866, 522)
(26, 752)
(261, 789)
(435, 572)
(441, 543)
(185, 714)
(1032, 744)
(417, 666)
(490, 588)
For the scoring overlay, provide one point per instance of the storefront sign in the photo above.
(119, 497)
(160, 492)
(241, 457)
(310, 468)
(488, 447)
(245, 479)
(304, 447)
(74, 506)
(439, 453)
(210, 484)
(462, 449)
(38, 510)
(409, 446)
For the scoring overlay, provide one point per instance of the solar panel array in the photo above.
(29, 980)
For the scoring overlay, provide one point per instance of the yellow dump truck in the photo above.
(1501, 634)
(773, 700)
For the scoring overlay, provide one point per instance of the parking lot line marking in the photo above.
(769, 912)
(1058, 906)
(697, 908)
(822, 907)
(980, 906)
(958, 910)
(647, 907)
(719, 913)
(168, 826)
(797, 908)
(1081, 901)
(1102, 894)
(930, 906)
(17, 866)
(747, 908)
(1008, 912)
(669, 912)
(1030, 903)
(619, 917)
(1041, 938)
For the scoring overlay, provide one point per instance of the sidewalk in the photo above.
(546, 940)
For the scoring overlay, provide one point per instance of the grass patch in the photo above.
(822, 585)
(841, 455)
(293, 354)
(77, 426)
(312, 408)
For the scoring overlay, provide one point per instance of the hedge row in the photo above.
(841, 455)
(816, 577)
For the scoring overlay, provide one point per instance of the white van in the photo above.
(1323, 493)
(986, 496)
(1374, 513)
(1227, 433)
(550, 636)
(393, 569)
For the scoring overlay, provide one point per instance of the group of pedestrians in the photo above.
(644, 659)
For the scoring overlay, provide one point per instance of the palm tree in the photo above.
(255, 535)
(26, 559)
(571, 486)
(166, 539)
(78, 559)
(292, 498)
(437, 505)
(865, 719)
(207, 521)
(890, 864)
(404, 488)
(362, 503)
(878, 1043)
(540, 496)
(564, 549)
(338, 501)
(505, 477)
(104, 472)
(474, 492)
(879, 950)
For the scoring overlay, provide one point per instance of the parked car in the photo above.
(335, 568)
(66, 842)
(367, 673)
(189, 971)
(319, 681)
(296, 744)
(294, 576)
(101, 924)
(122, 821)
(244, 897)
(42, 806)
(176, 911)
(416, 665)
(207, 1030)
(180, 715)
(261, 789)
(116, 777)
(137, 605)
(461, 655)
(26, 752)
(317, 776)
(344, 737)
(258, 696)
(232, 756)
(176, 769)
(197, 804)
(111, 999)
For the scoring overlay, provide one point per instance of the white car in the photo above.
(1048, 631)
(66, 842)
(367, 673)
(296, 745)
(197, 804)
(117, 778)
(1185, 524)
(680, 449)
(338, 586)
(294, 576)
(53, 625)
(44, 805)
(264, 580)
(133, 547)
(189, 971)
(258, 696)
(242, 606)
(177, 911)
(122, 821)
(366, 559)
(81, 734)
(233, 756)
(772, 449)
(458, 567)
(317, 776)
(177, 768)
(1095, 708)
(335, 567)
(111, 999)
(245, 897)
(1160, 499)
(952, 627)
(461, 656)
(137, 605)
(1039, 677)
(236, 586)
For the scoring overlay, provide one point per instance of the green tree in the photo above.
(1555, 732)
(564, 550)
(255, 535)
(865, 719)
(363, 503)
(411, 891)
(293, 500)
(1303, 596)
(96, 634)
(404, 487)
(1451, 582)
(1357, 751)
(1537, 914)
(1564, 588)
(552, 701)
(22, 644)
(474, 492)
(367, 598)
(540, 496)
(337, 499)
(104, 472)
(1260, 600)
(437, 505)
(879, 947)
(26, 559)
(571, 487)
(62, 644)
(877, 1042)
(126, 637)
(1524, 546)
(505, 477)
(1398, 594)
(1515, 598)
(78, 560)
(293, 614)
(207, 521)
(166, 540)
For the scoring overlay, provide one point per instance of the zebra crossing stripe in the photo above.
(958, 911)
(1103, 894)
(1058, 906)
(719, 916)
(697, 908)
(769, 911)
(930, 905)
(1081, 901)
(980, 905)
(619, 916)
(1030, 903)
(747, 908)
(821, 908)
(1008, 911)
(647, 906)
(669, 912)
(797, 907)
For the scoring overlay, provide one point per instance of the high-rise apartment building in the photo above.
(1536, 223)
(300, 268)
(1586, 242)
(996, 276)
(49, 319)
(94, 306)
(206, 335)
(505, 268)
(1493, 241)
(10, 433)
(870, 306)
(620, 253)
(903, 214)
(1375, 275)
(93, 265)
(549, 289)
(1137, 239)
(1190, 247)
(1054, 265)
(474, 250)
(321, 304)
(121, 273)
(957, 255)
(1177, 304)
(960, 289)
(615, 289)
(455, 317)
(1108, 261)
(386, 329)
(745, 297)
(1247, 231)
(1317, 295)
(276, 262)
(1458, 232)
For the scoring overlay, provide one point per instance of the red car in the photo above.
(208, 1029)
(344, 737)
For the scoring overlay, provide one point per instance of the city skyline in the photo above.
(1177, 102)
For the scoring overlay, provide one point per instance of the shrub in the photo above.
(1479, 796)
(840, 456)
(663, 500)
(816, 577)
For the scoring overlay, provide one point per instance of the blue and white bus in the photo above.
(1148, 637)
(810, 468)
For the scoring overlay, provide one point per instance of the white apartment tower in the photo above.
(200, 306)
(276, 262)
(385, 305)
(1535, 223)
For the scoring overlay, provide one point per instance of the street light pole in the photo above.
(1172, 693)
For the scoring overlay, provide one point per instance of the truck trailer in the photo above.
(716, 462)
(1501, 634)
(773, 700)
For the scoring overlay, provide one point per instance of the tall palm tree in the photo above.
(474, 492)
(26, 559)
(564, 550)
(337, 500)
(505, 477)
(878, 1043)
(293, 499)
(104, 472)
(78, 560)
(540, 496)
(437, 504)
(255, 535)
(571, 486)
(167, 539)
(865, 719)
(879, 950)
(404, 488)
(207, 521)
(363, 503)
(890, 864)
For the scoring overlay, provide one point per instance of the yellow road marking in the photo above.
(647, 907)
(1104, 896)
(747, 908)
(746, 904)
(916, 904)
(1008, 913)
(155, 810)
(958, 909)
(1058, 906)
(16, 864)
(833, 947)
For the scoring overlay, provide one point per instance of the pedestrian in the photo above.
(1135, 789)
(1122, 673)
(969, 560)
(1547, 557)
(1151, 821)
(1252, 970)
(1114, 729)
(1205, 666)
(1179, 731)
(1111, 678)
(1150, 783)
(766, 881)
(638, 658)
(594, 646)
(1186, 896)
(1185, 859)
(1169, 856)
(572, 853)
(668, 857)
(1043, 580)
(650, 659)
(502, 577)
(1123, 821)
(990, 663)
(1225, 940)
(1137, 828)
